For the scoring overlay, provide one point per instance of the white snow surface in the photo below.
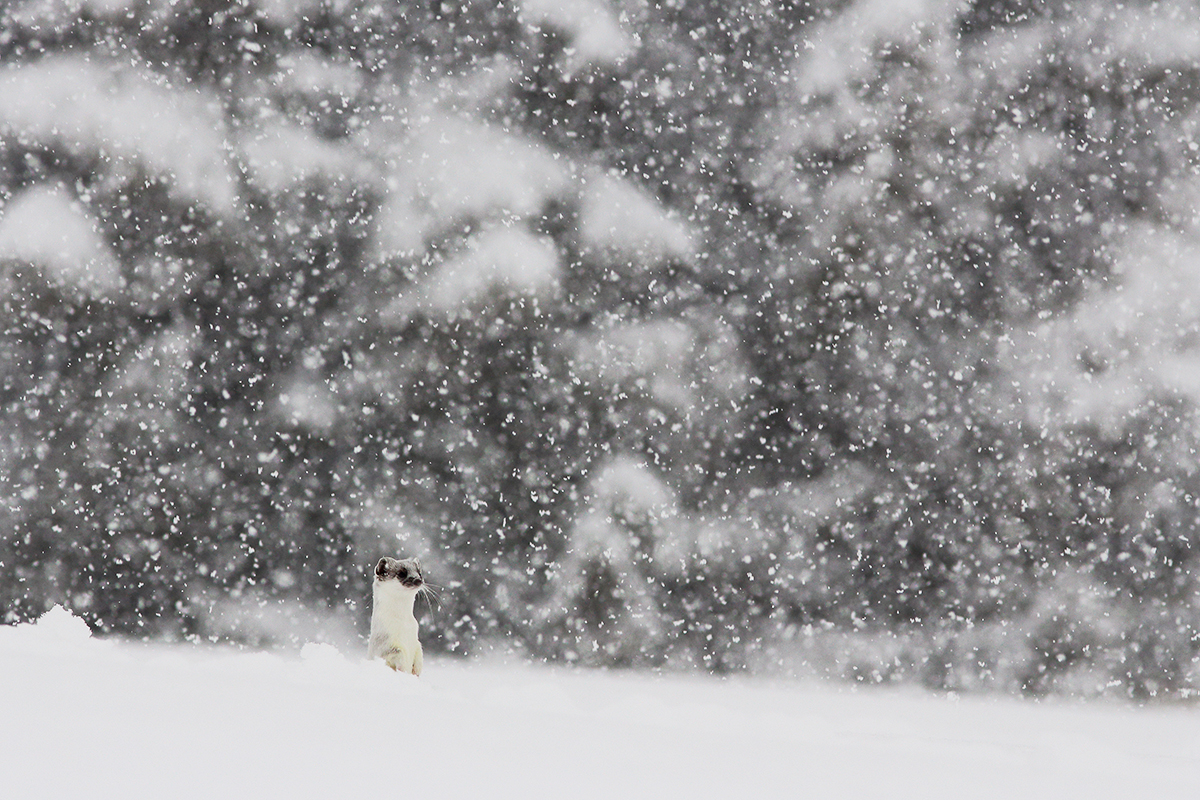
(99, 719)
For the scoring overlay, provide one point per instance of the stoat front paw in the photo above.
(398, 660)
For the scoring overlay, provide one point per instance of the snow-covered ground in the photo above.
(80, 717)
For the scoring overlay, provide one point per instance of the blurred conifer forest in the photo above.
(856, 338)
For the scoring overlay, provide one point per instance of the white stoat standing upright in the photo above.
(393, 625)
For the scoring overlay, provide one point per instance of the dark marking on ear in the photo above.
(381, 568)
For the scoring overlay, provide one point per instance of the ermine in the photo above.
(393, 625)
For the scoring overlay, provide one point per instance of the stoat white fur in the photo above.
(393, 624)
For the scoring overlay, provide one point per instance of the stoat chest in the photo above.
(392, 613)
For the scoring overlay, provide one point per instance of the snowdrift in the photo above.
(97, 718)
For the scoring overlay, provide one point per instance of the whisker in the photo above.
(430, 596)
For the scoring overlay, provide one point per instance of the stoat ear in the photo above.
(381, 568)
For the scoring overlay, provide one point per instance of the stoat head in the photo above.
(404, 572)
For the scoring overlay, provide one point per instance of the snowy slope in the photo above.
(86, 718)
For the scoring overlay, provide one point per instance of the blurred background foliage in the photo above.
(857, 338)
